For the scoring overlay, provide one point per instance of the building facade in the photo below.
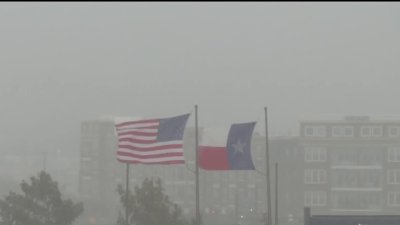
(351, 166)
(344, 167)
(99, 171)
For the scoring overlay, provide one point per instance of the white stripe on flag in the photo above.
(151, 160)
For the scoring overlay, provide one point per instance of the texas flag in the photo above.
(235, 155)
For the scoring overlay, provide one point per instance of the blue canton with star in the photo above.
(238, 145)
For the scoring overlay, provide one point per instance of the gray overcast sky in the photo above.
(62, 63)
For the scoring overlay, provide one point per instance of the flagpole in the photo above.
(268, 219)
(127, 195)
(197, 170)
(276, 193)
(236, 207)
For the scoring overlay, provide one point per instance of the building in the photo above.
(337, 167)
(99, 171)
(351, 166)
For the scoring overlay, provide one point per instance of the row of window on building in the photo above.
(319, 154)
(362, 178)
(347, 200)
(348, 131)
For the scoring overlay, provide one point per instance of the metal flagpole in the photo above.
(236, 207)
(197, 170)
(276, 193)
(127, 195)
(268, 219)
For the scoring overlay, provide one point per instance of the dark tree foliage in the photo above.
(148, 205)
(39, 204)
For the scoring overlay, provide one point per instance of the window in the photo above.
(316, 131)
(348, 131)
(180, 174)
(336, 131)
(180, 191)
(365, 131)
(394, 131)
(85, 159)
(314, 176)
(394, 154)
(344, 131)
(393, 176)
(232, 193)
(86, 177)
(393, 198)
(357, 156)
(375, 131)
(86, 189)
(356, 200)
(364, 178)
(315, 154)
(215, 191)
(309, 131)
(315, 198)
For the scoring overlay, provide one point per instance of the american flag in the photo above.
(152, 141)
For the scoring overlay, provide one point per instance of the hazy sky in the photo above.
(62, 63)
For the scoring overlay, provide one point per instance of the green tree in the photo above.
(148, 205)
(39, 204)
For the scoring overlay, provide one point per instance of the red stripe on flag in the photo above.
(139, 133)
(161, 147)
(137, 122)
(163, 155)
(164, 162)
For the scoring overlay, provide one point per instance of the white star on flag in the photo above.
(238, 147)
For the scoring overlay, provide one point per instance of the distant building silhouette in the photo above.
(349, 166)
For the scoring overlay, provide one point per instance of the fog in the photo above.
(64, 63)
